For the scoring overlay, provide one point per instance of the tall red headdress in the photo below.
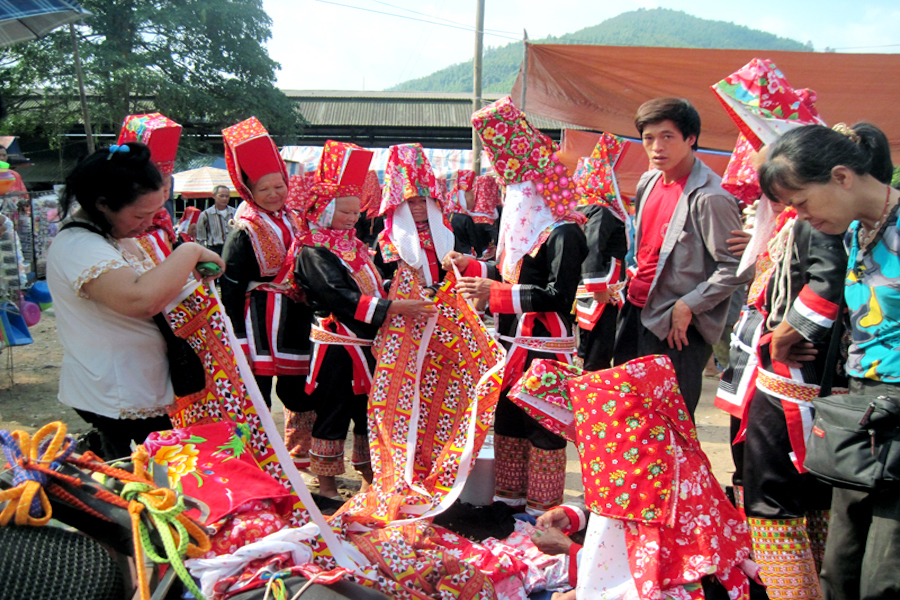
(250, 151)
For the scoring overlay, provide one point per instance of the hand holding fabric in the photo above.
(552, 541)
(474, 288)
(414, 309)
(555, 517)
(455, 258)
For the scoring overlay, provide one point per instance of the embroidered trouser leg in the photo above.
(513, 455)
(510, 469)
(778, 499)
(336, 405)
(298, 428)
(546, 479)
(781, 549)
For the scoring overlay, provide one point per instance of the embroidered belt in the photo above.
(323, 336)
(552, 345)
(788, 389)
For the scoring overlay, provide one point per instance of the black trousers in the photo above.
(595, 347)
(633, 340)
(773, 488)
(116, 435)
(291, 390)
(334, 401)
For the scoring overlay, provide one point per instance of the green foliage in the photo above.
(644, 27)
(895, 180)
(202, 63)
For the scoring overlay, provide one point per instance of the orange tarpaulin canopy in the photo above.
(601, 87)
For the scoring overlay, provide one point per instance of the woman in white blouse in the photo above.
(105, 289)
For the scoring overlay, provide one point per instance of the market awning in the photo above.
(601, 87)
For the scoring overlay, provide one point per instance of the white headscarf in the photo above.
(525, 217)
(402, 232)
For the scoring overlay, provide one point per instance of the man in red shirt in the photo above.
(679, 296)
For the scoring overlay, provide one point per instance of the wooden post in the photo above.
(476, 97)
(88, 131)
(524, 71)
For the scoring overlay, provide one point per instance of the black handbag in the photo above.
(855, 441)
(185, 367)
(855, 438)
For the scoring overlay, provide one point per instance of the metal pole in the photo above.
(88, 131)
(524, 70)
(476, 97)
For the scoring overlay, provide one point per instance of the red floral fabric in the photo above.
(763, 104)
(740, 178)
(213, 464)
(596, 180)
(408, 174)
(370, 197)
(487, 199)
(642, 464)
(519, 152)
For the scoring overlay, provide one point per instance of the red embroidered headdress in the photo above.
(342, 172)
(158, 133)
(596, 179)
(250, 151)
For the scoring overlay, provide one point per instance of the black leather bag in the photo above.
(855, 441)
(185, 367)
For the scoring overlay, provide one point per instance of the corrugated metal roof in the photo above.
(324, 108)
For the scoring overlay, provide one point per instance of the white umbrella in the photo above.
(200, 183)
(23, 20)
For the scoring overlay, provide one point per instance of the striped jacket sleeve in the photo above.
(815, 309)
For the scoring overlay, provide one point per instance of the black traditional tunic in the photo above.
(607, 246)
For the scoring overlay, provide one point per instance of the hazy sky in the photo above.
(336, 45)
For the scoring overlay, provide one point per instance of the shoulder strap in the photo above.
(833, 348)
(82, 225)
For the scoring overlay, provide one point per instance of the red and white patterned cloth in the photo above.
(645, 473)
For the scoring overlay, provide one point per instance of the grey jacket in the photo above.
(694, 262)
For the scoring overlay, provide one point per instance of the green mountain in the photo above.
(643, 27)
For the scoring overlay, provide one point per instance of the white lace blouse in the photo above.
(113, 365)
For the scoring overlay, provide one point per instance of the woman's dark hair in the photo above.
(808, 154)
(678, 110)
(117, 178)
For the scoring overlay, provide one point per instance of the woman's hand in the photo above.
(551, 541)
(414, 309)
(556, 517)
(738, 243)
(474, 288)
(455, 258)
(790, 347)
(603, 297)
(207, 255)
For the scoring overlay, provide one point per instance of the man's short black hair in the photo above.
(678, 110)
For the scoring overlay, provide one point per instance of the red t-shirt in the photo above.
(657, 213)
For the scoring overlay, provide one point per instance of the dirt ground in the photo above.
(29, 381)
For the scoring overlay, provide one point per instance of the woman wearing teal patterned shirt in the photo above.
(839, 180)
